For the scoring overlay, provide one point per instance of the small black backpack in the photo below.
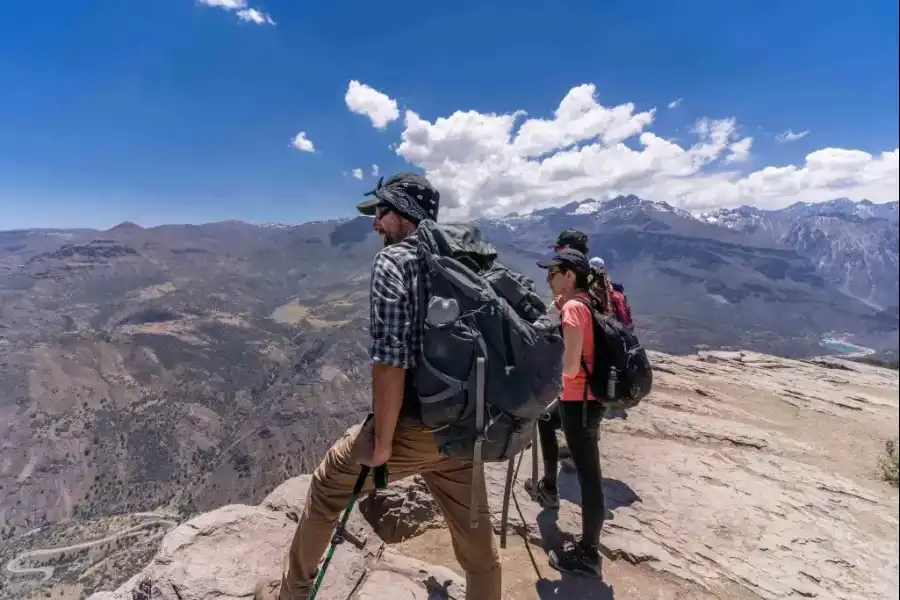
(621, 374)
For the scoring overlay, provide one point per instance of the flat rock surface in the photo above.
(742, 470)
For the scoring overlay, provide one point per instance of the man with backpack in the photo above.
(394, 434)
(571, 238)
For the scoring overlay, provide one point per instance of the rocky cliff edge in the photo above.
(743, 475)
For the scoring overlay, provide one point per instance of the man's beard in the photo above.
(396, 238)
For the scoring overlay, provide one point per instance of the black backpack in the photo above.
(621, 374)
(491, 358)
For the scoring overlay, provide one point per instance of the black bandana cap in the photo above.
(409, 194)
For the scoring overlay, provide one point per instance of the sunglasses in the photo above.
(381, 210)
(551, 273)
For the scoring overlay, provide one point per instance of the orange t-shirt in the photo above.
(576, 314)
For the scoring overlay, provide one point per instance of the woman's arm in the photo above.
(572, 344)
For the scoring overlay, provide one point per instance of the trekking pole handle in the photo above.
(379, 478)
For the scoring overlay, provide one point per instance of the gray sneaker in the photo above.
(577, 560)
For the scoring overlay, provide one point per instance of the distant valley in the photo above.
(186, 366)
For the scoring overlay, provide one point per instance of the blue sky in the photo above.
(173, 111)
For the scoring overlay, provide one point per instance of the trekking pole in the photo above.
(534, 461)
(504, 514)
(511, 477)
(380, 479)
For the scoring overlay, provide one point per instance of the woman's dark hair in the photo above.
(597, 285)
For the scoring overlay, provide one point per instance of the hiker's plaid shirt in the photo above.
(394, 305)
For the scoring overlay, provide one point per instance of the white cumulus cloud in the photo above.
(364, 100)
(254, 16)
(302, 143)
(675, 103)
(243, 12)
(357, 173)
(790, 136)
(739, 151)
(375, 171)
(226, 4)
(491, 164)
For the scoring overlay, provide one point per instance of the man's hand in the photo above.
(374, 454)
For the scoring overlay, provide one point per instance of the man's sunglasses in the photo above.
(382, 209)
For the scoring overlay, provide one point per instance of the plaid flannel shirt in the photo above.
(394, 305)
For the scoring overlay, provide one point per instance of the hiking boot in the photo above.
(546, 497)
(575, 559)
(267, 589)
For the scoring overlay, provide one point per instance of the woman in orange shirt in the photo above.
(574, 282)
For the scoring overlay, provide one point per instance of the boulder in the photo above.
(220, 555)
(403, 510)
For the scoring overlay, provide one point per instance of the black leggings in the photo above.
(583, 441)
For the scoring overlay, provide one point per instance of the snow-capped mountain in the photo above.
(622, 213)
(852, 244)
(742, 274)
(864, 209)
(621, 206)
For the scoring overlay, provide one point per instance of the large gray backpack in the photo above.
(491, 359)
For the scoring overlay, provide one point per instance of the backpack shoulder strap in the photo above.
(587, 303)
(584, 301)
(425, 248)
(584, 365)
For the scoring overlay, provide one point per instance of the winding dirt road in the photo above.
(46, 573)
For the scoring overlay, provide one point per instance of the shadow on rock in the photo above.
(437, 590)
(616, 493)
(551, 535)
(582, 588)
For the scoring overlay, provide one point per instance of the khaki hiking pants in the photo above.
(414, 452)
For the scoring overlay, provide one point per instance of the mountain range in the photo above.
(852, 244)
(193, 365)
(744, 276)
